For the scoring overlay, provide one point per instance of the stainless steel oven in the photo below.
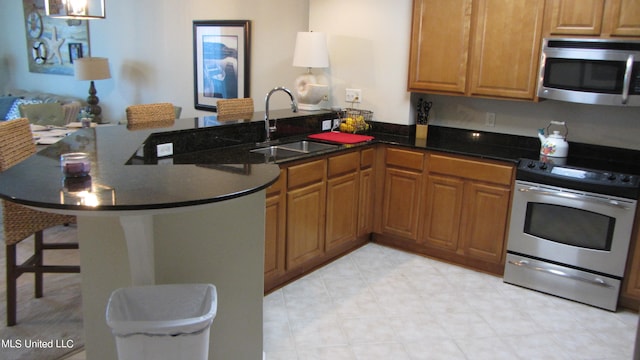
(566, 239)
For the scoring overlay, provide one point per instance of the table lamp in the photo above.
(310, 52)
(92, 68)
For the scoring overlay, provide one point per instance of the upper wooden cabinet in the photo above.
(439, 45)
(601, 18)
(574, 17)
(485, 48)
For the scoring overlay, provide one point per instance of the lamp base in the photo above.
(309, 107)
(309, 93)
(94, 108)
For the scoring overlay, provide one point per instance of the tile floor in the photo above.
(379, 303)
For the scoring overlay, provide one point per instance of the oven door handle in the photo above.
(593, 281)
(610, 202)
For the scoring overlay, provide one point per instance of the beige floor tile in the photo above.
(382, 303)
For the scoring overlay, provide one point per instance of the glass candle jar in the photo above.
(75, 164)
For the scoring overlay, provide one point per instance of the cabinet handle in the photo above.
(593, 281)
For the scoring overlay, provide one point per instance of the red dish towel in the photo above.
(342, 138)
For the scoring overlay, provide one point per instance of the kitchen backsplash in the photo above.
(591, 124)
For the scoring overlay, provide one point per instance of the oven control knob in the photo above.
(543, 166)
(531, 164)
(626, 178)
(612, 176)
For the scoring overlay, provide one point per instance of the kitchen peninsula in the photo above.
(198, 223)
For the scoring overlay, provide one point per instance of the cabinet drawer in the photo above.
(342, 164)
(471, 169)
(307, 173)
(366, 158)
(404, 159)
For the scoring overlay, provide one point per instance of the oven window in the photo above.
(585, 75)
(569, 226)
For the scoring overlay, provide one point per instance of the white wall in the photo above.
(149, 46)
(368, 50)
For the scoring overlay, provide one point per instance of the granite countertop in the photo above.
(212, 160)
(115, 185)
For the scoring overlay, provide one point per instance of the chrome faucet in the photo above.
(267, 127)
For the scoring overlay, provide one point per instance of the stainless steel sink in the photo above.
(307, 146)
(287, 150)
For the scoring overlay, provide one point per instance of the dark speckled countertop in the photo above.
(212, 161)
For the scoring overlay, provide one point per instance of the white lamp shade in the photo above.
(91, 68)
(311, 50)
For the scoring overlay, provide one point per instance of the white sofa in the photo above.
(70, 105)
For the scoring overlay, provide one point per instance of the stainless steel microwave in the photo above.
(590, 71)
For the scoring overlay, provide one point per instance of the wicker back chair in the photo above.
(235, 109)
(146, 116)
(16, 144)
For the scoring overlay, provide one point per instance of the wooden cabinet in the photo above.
(467, 207)
(574, 17)
(367, 190)
(306, 192)
(485, 214)
(441, 223)
(342, 199)
(630, 293)
(317, 210)
(275, 216)
(600, 18)
(440, 34)
(506, 48)
(402, 189)
(487, 48)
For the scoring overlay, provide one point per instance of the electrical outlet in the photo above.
(353, 95)
(164, 149)
(326, 125)
(336, 123)
(490, 119)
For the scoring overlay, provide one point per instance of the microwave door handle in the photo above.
(627, 79)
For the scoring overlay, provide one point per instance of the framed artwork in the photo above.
(53, 44)
(75, 51)
(221, 59)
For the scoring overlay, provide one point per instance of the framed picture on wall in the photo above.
(53, 44)
(75, 51)
(221, 59)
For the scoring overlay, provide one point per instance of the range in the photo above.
(570, 228)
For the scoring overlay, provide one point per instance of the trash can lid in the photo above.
(172, 309)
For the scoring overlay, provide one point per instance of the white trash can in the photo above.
(162, 321)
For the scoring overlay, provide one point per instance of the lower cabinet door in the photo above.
(485, 218)
(305, 224)
(342, 210)
(274, 251)
(401, 203)
(441, 226)
(365, 206)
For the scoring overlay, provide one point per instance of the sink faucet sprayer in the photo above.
(294, 107)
